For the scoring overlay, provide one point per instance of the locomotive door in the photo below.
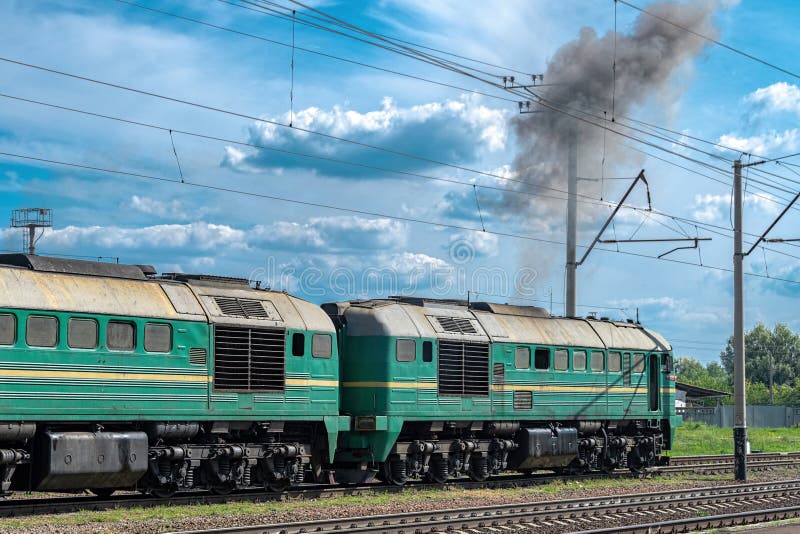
(653, 381)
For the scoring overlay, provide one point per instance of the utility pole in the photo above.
(739, 400)
(572, 227)
(739, 392)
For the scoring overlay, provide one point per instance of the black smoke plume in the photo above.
(647, 61)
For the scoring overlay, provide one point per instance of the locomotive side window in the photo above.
(522, 358)
(542, 359)
(157, 337)
(579, 360)
(638, 363)
(298, 344)
(41, 331)
(561, 360)
(596, 363)
(626, 369)
(82, 333)
(406, 350)
(614, 362)
(321, 346)
(120, 336)
(427, 351)
(8, 329)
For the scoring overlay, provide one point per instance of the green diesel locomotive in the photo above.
(439, 388)
(112, 377)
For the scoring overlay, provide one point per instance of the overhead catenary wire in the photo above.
(347, 140)
(315, 52)
(705, 225)
(341, 23)
(333, 207)
(202, 106)
(474, 60)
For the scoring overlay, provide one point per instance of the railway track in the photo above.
(728, 458)
(685, 464)
(41, 506)
(627, 513)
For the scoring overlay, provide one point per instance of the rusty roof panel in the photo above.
(23, 288)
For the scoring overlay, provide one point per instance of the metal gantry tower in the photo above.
(33, 221)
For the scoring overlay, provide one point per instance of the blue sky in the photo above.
(325, 254)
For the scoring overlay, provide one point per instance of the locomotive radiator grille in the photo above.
(249, 359)
(463, 368)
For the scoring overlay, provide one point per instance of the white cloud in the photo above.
(464, 247)
(675, 310)
(318, 235)
(333, 233)
(715, 208)
(779, 96)
(195, 236)
(165, 209)
(772, 141)
(453, 130)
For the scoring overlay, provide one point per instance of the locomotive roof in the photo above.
(56, 284)
(484, 321)
(69, 265)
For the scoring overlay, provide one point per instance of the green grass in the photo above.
(698, 438)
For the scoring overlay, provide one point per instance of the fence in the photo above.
(757, 416)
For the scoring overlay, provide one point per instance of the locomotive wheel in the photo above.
(223, 489)
(164, 492)
(478, 471)
(439, 472)
(395, 472)
(279, 485)
(103, 493)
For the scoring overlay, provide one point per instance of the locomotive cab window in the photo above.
(157, 337)
(82, 333)
(637, 365)
(406, 350)
(597, 363)
(298, 344)
(427, 351)
(541, 359)
(8, 329)
(614, 362)
(561, 360)
(321, 346)
(579, 360)
(120, 336)
(41, 331)
(522, 358)
(666, 363)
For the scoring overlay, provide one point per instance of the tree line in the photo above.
(772, 367)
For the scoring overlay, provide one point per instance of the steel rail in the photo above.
(694, 524)
(573, 513)
(47, 505)
(712, 458)
(61, 505)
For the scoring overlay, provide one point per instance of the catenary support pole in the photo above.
(572, 228)
(739, 411)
